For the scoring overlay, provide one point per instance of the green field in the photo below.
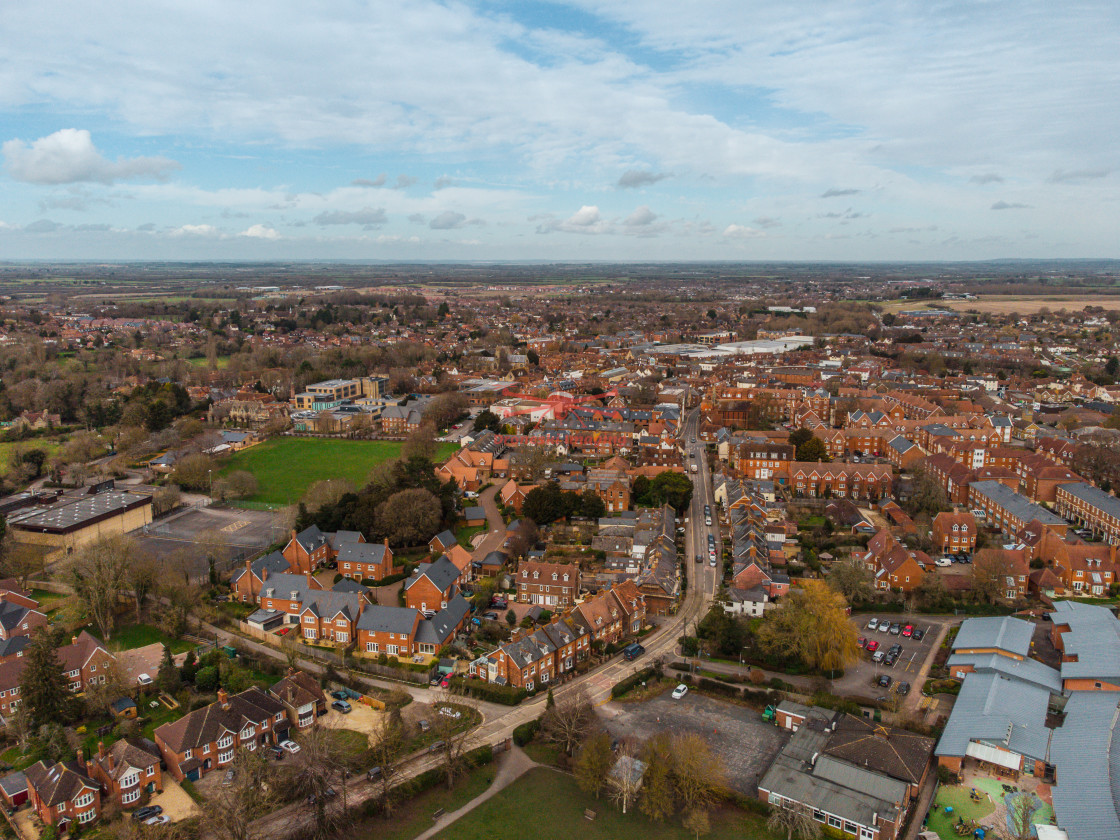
(222, 362)
(8, 447)
(543, 791)
(286, 467)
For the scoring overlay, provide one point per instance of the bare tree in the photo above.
(324, 764)
(142, 578)
(625, 779)
(452, 734)
(794, 819)
(113, 685)
(98, 574)
(594, 763)
(992, 575)
(569, 720)
(165, 499)
(231, 811)
(697, 822)
(388, 747)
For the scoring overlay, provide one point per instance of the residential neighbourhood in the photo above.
(859, 557)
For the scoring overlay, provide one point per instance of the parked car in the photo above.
(878, 656)
(680, 691)
(862, 641)
(1046, 616)
(908, 630)
(445, 682)
(342, 706)
(277, 753)
(872, 646)
(424, 726)
(885, 681)
(373, 774)
(289, 746)
(340, 694)
(890, 659)
(435, 747)
(493, 616)
(903, 688)
(158, 819)
(228, 778)
(944, 561)
(896, 628)
(873, 624)
(147, 812)
(918, 634)
(329, 793)
(633, 651)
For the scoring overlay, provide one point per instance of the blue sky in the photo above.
(654, 130)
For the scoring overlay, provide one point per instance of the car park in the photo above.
(147, 812)
(680, 691)
(342, 706)
(872, 646)
(884, 681)
(873, 624)
(289, 746)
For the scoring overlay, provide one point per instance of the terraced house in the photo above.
(207, 739)
(553, 585)
(535, 659)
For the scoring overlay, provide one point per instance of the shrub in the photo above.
(207, 678)
(526, 732)
(624, 685)
(507, 695)
(718, 687)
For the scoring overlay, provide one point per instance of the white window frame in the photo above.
(130, 796)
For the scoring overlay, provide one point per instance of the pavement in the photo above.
(746, 744)
(512, 765)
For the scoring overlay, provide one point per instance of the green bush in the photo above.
(718, 687)
(624, 685)
(206, 679)
(526, 732)
(507, 695)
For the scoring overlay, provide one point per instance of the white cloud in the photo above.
(68, 156)
(640, 217)
(368, 217)
(742, 232)
(447, 220)
(195, 230)
(260, 232)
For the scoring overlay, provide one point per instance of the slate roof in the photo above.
(298, 689)
(274, 562)
(12, 614)
(1093, 637)
(58, 783)
(1018, 506)
(361, 552)
(444, 538)
(311, 538)
(378, 619)
(894, 752)
(1094, 496)
(1027, 670)
(437, 629)
(14, 645)
(995, 710)
(442, 573)
(1012, 635)
(203, 726)
(1085, 751)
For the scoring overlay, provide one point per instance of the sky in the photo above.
(642, 130)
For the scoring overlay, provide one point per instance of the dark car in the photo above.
(493, 616)
(884, 681)
(1046, 616)
(895, 650)
(340, 694)
(147, 812)
(918, 635)
(436, 747)
(903, 688)
(890, 659)
(277, 753)
(342, 706)
(329, 793)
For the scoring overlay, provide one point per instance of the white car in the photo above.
(289, 746)
(158, 819)
(873, 624)
(944, 561)
(680, 691)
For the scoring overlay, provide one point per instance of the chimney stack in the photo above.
(73, 640)
(100, 749)
(308, 575)
(81, 759)
(291, 671)
(223, 698)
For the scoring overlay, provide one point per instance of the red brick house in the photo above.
(552, 585)
(954, 533)
(63, 794)
(365, 561)
(207, 738)
(84, 661)
(126, 770)
(19, 612)
(389, 630)
(432, 585)
(303, 698)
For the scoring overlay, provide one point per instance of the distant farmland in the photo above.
(286, 467)
(1003, 304)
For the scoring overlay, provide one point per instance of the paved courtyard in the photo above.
(742, 739)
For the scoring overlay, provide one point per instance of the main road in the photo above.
(499, 722)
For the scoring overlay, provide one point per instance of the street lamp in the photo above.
(210, 475)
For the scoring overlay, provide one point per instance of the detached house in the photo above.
(365, 561)
(954, 533)
(127, 769)
(19, 612)
(432, 585)
(63, 794)
(311, 548)
(303, 698)
(207, 738)
(552, 585)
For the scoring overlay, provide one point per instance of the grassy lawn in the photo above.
(7, 447)
(470, 718)
(958, 799)
(464, 535)
(286, 467)
(411, 818)
(556, 797)
(140, 635)
(202, 362)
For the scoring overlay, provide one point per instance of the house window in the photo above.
(371, 647)
(342, 637)
(225, 757)
(225, 741)
(130, 796)
(88, 816)
(835, 822)
(83, 800)
(129, 780)
(152, 770)
(308, 633)
(391, 649)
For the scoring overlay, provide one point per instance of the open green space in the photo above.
(413, 817)
(546, 791)
(140, 635)
(958, 798)
(8, 447)
(202, 362)
(286, 467)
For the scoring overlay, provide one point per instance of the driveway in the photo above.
(496, 532)
(361, 718)
(746, 744)
(175, 801)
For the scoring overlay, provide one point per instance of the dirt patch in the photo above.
(361, 719)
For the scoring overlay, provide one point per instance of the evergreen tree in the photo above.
(42, 687)
(168, 675)
(190, 667)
